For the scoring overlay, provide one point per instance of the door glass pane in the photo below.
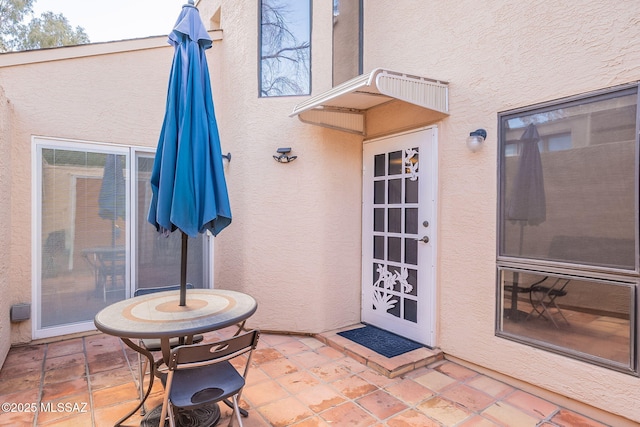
(158, 256)
(378, 247)
(83, 234)
(378, 161)
(285, 39)
(411, 310)
(395, 249)
(395, 220)
(411, 190)
(378, 192)
(395, 163)
(411, 221)
(411, 251)
(378, 219)
(395, 191)
(412, 279)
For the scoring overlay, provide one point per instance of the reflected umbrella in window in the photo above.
(189, 191)
(111, 206)
(527, 203)
(111, 201)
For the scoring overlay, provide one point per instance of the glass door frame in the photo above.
(131, 154)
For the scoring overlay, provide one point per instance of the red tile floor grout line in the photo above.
(294, 381)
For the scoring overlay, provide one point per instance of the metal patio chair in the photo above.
(202, 374)
(543, 299)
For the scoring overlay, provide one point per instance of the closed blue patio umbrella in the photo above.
(187, 180)
(527, 203)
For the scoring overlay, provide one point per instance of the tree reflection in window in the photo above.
(285, 51)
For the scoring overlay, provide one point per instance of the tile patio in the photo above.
(297, 381)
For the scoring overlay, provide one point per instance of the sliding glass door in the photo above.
(157, 257)
(92, 244)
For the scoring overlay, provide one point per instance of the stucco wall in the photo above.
(116, 98)
(294, 243)
(295, 240)
(497, 56)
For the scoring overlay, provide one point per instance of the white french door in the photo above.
(399, 234)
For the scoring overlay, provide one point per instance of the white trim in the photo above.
(343, 107)
(431, 290)
(36, 206)
(10, 59)
(37, 144)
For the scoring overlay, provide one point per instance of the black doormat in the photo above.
(380, 341)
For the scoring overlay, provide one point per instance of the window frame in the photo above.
(260, 61)
(550, 106)
(613, 276)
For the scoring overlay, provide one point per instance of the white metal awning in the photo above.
(351, 106)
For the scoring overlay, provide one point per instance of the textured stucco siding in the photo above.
(497, 56)
(295, 240)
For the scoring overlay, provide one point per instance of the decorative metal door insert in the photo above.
(395, 233)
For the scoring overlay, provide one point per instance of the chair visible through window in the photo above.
(202, 374)
(543, 299)
(542, 296)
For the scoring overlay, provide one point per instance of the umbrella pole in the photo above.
(515, 314)
(183, 272)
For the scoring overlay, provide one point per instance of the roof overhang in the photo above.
(376, 103)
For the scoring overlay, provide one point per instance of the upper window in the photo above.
(285, 47)
(347, 40)
(568, 227)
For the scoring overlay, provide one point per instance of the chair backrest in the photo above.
(147, 291)
(196, 355)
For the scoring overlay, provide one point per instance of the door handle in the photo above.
(425, 239)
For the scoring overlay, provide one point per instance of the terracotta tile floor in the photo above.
(295, 381)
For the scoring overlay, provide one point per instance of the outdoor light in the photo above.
(475, 140)
(283, 157)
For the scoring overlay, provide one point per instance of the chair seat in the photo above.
(153, 344)
(196, 387)
(509, 286)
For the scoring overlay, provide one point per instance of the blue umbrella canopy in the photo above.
(187, 180)
(111, 200)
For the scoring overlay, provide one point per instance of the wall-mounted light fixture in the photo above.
(475, 139)
(283, 156)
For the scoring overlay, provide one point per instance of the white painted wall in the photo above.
(294, 243)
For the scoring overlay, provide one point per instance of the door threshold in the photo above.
(390, 367)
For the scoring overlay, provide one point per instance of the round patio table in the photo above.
(159, 315)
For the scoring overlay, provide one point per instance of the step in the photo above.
(388, 366)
